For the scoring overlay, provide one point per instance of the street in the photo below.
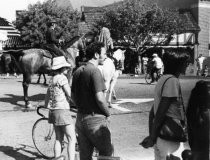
(129, 122)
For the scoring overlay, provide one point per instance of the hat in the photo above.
(59, 62)
(155, 55)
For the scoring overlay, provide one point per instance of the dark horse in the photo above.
(32, 61)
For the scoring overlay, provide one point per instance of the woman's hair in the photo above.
(199, 101)
(93, 48)
(58, 71)
(174, 61)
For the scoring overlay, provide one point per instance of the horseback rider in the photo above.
(52, 41)
(105, 37)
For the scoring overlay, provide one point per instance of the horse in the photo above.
(111, 69)
(32, 61)
(8, 65)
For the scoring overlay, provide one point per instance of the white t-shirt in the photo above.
(200, 62)
(58, 98)
(157, 62)
(171, 89)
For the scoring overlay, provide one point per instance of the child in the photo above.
(56, 100)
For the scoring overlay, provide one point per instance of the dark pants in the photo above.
(54, 50)
(155, 71)
(93, 131)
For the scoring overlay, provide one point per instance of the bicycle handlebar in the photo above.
(38, 111)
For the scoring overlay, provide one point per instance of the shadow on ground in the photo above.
(19, 153)
(15, 99)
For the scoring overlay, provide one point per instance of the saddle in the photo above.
(54, 50)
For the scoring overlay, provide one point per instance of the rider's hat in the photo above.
(51, 22)
(59, 62)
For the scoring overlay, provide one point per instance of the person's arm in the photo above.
(160, 115)
(101, 101)
(67, 91)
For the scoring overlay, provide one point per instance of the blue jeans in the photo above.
(93, 131)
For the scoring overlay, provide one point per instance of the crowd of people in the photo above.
(169, 124)
(92, 123)
(93, 116)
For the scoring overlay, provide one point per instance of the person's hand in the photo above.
(60, 41)
(147, 142)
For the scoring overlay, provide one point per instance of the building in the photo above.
(200, 9)
(12, 34)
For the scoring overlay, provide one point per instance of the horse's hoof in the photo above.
(29, 106)
(114, 97)
(110, 105)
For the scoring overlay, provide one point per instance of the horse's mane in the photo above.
(71, 42)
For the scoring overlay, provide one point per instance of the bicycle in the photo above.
(148, 76)
(43, 136)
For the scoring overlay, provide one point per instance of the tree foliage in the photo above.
(140, 24)
(33, 23)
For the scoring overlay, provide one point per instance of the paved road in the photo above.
(128, 123)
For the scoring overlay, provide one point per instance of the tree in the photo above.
(33, 23)
(140, 24)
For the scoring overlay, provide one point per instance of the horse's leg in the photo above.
(26, 82)
(114, 94)
(38, 81)
(112, 84)
(45, 80)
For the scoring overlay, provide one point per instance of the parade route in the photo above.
(129, 120)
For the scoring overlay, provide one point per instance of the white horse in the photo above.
(111, 71)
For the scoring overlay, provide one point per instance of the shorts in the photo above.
(60, 117)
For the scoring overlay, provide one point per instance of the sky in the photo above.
(8, 7)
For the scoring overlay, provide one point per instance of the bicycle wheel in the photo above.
(148, 78)
(44, 137)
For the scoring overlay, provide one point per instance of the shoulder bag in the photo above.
(173, 130)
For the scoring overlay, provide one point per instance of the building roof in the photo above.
(189, 21)
(12, 33)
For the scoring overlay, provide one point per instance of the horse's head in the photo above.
(90, 37)
(74, 48)
(119, 55)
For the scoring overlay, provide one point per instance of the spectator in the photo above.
(157, 66)
(168, 103)
(199, 61)
(88, 88)
(145, 62)
(205, 71)
(56, 100)
(198, 120)
(137, 71)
